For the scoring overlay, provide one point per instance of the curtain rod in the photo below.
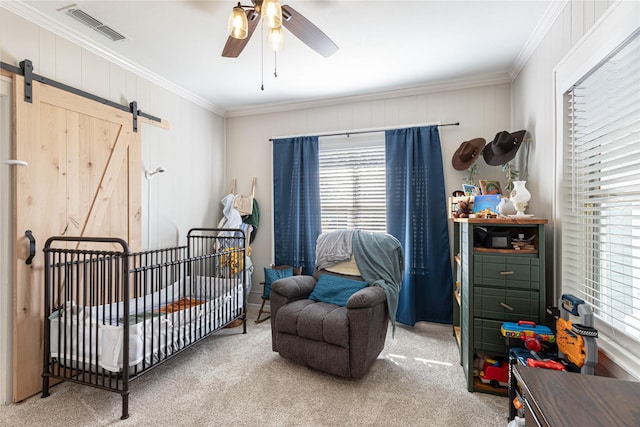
(357, 132)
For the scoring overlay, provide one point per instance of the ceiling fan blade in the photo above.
(234, 47)
(307, 32)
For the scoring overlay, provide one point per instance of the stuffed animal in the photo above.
(463, 209)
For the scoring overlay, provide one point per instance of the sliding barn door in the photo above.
(83, 178)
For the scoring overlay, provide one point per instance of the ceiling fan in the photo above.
(241, 30)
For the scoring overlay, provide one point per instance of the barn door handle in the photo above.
(32, 246)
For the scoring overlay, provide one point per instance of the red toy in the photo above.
(547, 364)
(495, 373)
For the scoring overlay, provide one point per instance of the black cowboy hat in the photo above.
(503, 148)
(467, 153)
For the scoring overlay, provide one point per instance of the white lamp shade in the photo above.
(275, 38)
(271, 13)
(238, 25)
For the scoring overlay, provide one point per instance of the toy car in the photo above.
(495, 373)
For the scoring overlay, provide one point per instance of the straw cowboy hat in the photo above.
(503, 148)
(467, 153)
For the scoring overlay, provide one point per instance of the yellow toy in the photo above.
(577, 342)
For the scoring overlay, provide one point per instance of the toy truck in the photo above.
(495, 373)
(531, 334)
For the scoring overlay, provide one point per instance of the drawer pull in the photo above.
(508, 307)
(506, 273)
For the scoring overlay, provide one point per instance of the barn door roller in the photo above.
(27, 71)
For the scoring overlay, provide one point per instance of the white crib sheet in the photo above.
(151, 335)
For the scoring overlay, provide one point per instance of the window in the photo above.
(601, 194)
(353, 183)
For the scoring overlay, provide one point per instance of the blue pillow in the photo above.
(271, 275)
(335, 290)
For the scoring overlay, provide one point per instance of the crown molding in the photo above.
(412, 91)
(541, 30)
(27, 12)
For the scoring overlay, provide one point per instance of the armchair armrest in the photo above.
(367, 297)
(294, 287)
(284, 291)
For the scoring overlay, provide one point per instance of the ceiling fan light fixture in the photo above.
(271, 13)
(238, 25)
(275, 39)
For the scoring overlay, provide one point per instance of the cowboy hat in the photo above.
(467, 153)
(503, 148)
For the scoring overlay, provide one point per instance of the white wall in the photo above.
(533, 99)
(482, 112)
(192, 149)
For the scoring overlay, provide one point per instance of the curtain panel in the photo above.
(296, 194)
(417, 217)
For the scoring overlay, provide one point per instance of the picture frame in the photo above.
(490, 187)
(470, 190)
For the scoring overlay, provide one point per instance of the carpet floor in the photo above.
(235, 379)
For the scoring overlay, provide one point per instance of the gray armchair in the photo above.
(344, 341)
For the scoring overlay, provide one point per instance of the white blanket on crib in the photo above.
(97, 341)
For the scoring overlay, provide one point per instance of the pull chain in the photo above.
(261, 55)
(275, 64)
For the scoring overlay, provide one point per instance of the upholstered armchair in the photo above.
(336, 322)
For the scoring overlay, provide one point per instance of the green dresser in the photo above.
(495, 285)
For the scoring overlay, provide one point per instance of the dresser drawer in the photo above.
(505, 304)
(487, 336)
(513, 271)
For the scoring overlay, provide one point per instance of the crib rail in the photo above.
(111, 315)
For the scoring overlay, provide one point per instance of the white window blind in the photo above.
(353, 184)
(601, 191)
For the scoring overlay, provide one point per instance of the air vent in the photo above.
(110, 32)
(91, 22)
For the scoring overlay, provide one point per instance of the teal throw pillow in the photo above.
(335, 290)
(271, 275)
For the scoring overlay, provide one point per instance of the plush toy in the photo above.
(463, 209)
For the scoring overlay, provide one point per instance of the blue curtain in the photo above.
(296, 201)
(417, 216)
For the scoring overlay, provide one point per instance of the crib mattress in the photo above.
(160, 323)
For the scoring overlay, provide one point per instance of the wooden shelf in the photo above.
(505, 251)
(456, 331)
(457, 259)
(457, 297)
(480, 386)
(502, 221)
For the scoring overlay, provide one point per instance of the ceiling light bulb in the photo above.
(238, 25)
(275, 39)
(271, 13)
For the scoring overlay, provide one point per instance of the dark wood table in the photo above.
(553, 398)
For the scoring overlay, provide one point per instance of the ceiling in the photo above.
(383, 46)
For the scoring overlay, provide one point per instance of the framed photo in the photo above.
(470, 190)
(490, 187)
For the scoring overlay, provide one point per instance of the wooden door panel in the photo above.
(38, 208)
(82, 179)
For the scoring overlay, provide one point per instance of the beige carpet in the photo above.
(235, 379)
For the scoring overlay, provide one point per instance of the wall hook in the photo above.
(12, 162)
